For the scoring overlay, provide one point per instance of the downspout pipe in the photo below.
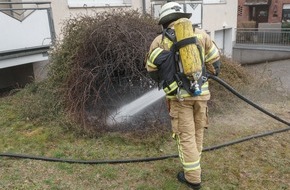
(144, 6)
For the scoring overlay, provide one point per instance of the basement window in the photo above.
(98, 3)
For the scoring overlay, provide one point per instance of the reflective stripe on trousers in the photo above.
(188, 119)
(187, 166)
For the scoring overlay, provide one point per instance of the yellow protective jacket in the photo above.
(210, 54)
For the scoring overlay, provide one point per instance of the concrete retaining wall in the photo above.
(249, 54)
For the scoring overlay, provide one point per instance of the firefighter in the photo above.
(188, 111)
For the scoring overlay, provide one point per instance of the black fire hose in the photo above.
(228, 87)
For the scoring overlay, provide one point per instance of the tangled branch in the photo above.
(100, 63)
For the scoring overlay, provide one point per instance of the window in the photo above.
(98, 3)
(286, 12)
(263, 13)
(213, 1)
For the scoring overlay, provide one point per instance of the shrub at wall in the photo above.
(99, 64)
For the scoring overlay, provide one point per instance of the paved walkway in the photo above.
(276, 69)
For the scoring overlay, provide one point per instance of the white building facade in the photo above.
(218, 17)
(220, 20)
(28, 27)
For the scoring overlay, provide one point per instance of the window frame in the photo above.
(98, 3)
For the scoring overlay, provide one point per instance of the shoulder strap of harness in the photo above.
(177, 45)
(170, 34)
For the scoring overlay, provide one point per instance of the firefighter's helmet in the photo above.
(170, 12)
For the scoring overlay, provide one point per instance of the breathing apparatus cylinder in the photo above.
(189, 54)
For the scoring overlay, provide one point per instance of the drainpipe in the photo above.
(224, 36)
(224, 40)
(144, 6)
(51, 24)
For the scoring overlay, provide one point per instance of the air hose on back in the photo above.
(215, 78)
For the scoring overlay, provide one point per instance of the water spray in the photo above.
(126, 112)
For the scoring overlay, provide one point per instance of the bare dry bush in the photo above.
(100, 63)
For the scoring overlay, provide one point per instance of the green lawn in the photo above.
(262, 163)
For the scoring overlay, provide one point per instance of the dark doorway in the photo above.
(286, 14)
(259, 14)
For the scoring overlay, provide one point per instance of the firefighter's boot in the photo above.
(181, 178)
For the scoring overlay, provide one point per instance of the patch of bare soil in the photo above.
(239, 119)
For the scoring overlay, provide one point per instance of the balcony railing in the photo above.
(26, 32)
(263, 36)
(25, 25)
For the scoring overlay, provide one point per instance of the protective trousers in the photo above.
(188, 119)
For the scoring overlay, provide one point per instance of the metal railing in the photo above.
(19, 33)
(15, 7)
(26, 32)
(263, 36)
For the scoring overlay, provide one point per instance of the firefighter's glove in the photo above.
(154, 75)
(217, 67)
